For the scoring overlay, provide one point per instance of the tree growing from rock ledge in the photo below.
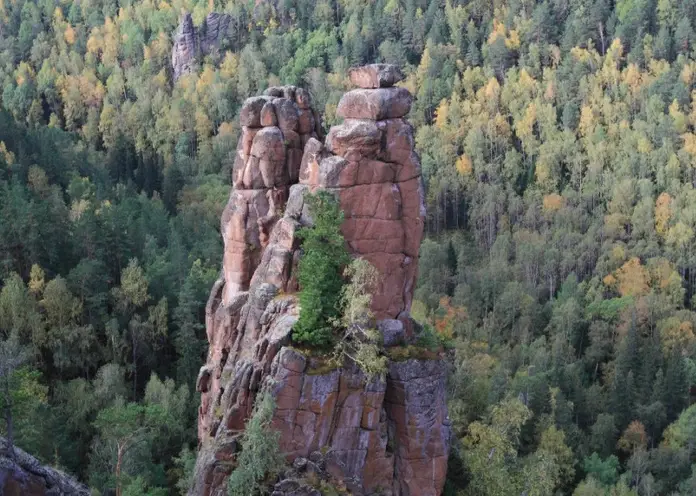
(323, 259)
(360, 342)
(260, 456)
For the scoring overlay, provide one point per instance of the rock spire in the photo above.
(191, 43)
(387, 436)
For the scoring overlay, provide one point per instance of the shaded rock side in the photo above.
(389, 436)
(24, 475)
(192, 44)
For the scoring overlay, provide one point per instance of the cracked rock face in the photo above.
(386, 436)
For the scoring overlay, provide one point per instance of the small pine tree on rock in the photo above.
(320, 271)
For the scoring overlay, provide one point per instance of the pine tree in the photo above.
(676, 388)
(324, 255)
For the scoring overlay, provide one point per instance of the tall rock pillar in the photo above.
(386, 436)
(370, 161)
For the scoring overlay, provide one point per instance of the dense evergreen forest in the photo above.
(558, 141)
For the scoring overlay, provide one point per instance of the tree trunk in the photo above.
(8, 418)
(119, 460)
(135, 367)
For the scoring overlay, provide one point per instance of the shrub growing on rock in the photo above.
(260, 457)
(360, 341)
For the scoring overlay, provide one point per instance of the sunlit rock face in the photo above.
(384, 436)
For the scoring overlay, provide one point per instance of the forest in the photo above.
(558, 142)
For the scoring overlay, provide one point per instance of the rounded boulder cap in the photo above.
(375, 76)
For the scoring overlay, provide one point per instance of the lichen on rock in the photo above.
(385, 435)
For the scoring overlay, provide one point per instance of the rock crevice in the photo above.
(384, 436)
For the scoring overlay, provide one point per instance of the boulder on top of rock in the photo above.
(287, 113)
(354, 139)
(376, 104)
(268, 115)
(302, 99)
(375, 75)
(392, 331)
(250, 114)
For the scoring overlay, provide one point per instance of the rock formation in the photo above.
(23, 475)
(387, 436)
(191, 43)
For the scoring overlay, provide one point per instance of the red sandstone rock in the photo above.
(250, 114)
(288, 114)
(268, 115)
(377, 104)
(389, 435)
(354, 139)
(375, 75)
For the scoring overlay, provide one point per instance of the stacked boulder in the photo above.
(370, 161)
(275, 128)
(387, 435)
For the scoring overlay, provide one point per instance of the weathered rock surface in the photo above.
(377, 104)
(25, 476)
(375, 76)
(191, 43)
(267, 162)
(385, 436)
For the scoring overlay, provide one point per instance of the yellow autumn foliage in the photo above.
(687, 73)
(7, 155)
(553, 202)
(689, 143)
(632, 278)
(609, 280)
(644, 145)
(226, 129)
(675, 333)
(525, 125)
(680, 119)
(492, 89)
(69, 35)
(497, 31)
(464, 166)
(586, 120)
(526, 81)
(441, 114)
(513, 40)
(663, 213)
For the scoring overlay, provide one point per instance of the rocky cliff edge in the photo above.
(23, 475)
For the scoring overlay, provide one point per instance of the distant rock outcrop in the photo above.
(191, 43)
(390, 436)
(23, 475)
